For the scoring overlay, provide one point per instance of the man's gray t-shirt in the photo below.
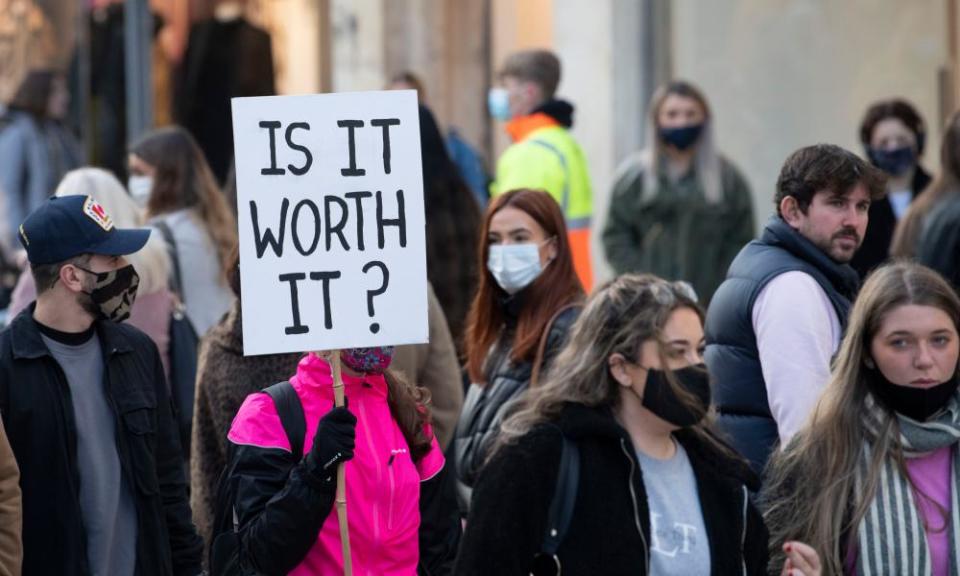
(106, 502)
(678, 538)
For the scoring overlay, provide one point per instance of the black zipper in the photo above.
(636, 508)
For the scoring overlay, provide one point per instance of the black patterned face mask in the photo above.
(114, 292)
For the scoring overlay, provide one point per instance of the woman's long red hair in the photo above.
(556, 287)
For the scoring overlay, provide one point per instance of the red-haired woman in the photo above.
(525, 305)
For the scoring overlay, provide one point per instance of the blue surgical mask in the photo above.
(498, 102)
(140, 188)
(895, 162)
(683, 137)
(514, 266)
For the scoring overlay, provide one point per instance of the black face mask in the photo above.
(660, 398)
(114, 292)
(683, 137)
(915, 403)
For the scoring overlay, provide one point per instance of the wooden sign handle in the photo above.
(341, 499)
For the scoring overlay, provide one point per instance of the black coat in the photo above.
(485, 406)
(223, 60)
(875, 249)
(38, 416)
(610, 529)
(939, 244)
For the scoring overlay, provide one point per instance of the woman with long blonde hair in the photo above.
(871, 482)
(656, 491)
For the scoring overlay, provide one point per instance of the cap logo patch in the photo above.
(95, 212)
(23, 234)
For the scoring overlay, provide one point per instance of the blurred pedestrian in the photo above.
(679, 208)
(36, 146)
(543, 156)
(529, 296)
(169, 170)
(894, 136)
(453, 228)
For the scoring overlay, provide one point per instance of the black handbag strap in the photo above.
(291, 414)
(176, 284)
(564, 498)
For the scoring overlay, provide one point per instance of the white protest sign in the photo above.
(330, 210)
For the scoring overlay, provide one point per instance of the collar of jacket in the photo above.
(522, 126)
(27, 342)
(579, 422)
(314, 372)
(843, 277)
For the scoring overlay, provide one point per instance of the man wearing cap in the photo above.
(85, 406)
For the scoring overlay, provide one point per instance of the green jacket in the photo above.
(675, 233)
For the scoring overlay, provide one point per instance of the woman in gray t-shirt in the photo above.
(657, 492)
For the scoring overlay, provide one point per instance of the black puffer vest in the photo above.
(739, 390)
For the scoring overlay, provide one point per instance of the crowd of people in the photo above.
(729, 403)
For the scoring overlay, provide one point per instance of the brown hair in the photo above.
(542, 67)
(946, 182)
(183, 180)
(556, 287)
(33, 94)
(826, 167)
(409, 407)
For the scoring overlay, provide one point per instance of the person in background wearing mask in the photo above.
(402, 510)
(658, 492)
(86, 409)
(776, 321)
(543, 156)
(679, 208)
(874, 472)
(893, 135)
(527, 300)
(184, 198)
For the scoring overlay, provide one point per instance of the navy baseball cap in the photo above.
(63, 228)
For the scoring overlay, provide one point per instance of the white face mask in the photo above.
(514, 266)
(140, 188)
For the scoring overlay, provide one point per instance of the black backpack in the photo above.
(225, 540)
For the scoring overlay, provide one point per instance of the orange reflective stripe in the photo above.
(582, 263)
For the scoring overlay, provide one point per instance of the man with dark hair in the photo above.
(543, 156)
(776, 321)
(85, 407)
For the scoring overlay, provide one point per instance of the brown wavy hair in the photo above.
(183, 179)
(556, 287)
(410, 407)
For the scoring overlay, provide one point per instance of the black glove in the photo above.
(333, 443)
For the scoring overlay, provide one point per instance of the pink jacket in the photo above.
(383, 483)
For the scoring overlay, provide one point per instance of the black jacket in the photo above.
(739, 389)
(485, 406)
(281, 509)
(939, 244)
(38, 416)
(875, 249)
(610, 528)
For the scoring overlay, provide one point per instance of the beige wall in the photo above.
(781, 74)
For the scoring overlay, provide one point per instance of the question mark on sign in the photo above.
(375, 327)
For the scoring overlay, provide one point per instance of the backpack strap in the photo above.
(291, 414)
(176, 278)
(560, 512)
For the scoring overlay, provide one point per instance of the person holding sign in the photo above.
(617, 435)
(525, 304)
(402, 514)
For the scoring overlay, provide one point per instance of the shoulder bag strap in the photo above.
(291, 415)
